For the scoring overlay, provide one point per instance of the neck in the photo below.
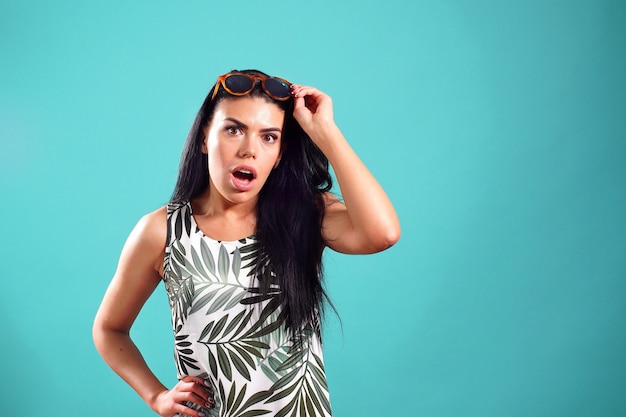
(212, 204)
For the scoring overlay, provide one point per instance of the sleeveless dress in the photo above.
(232, 334)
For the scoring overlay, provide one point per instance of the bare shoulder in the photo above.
(146, 242)
(153, 226)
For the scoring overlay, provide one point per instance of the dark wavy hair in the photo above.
(290, 210)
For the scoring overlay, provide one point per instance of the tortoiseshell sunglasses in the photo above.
(240, 84)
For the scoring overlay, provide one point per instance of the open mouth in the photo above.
(243, 174)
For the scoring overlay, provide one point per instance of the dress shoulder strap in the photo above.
(178, 222)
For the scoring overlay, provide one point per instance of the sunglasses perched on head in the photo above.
(240, 84)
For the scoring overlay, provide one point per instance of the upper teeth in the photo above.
(245, 171)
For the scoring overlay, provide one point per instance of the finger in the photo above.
(191, 397)
(184, 410)
(307, 91)
(299, 108)
(200, 381)
(204, 392)
(195, 391)
(201, 386)
(189, 378)
(314, 99)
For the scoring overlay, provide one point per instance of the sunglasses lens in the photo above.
(277, 88)
(239, 84)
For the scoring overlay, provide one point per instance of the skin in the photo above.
(243, 131)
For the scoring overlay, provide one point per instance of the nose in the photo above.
(248, 148)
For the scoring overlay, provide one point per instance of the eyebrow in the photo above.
(245, 126)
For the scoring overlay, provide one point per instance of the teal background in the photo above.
(497, 128)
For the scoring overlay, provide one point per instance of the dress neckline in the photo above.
(194, 225)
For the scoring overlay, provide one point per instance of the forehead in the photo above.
(249, 110)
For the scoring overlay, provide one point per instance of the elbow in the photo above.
(393, 236)
(97, 334)
(102, 333)
(385, 240)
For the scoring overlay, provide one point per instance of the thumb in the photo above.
(300, 111)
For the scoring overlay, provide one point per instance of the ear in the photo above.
(205, 138)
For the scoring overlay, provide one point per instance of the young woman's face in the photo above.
(243, 144)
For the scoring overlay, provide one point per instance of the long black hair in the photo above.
(290, 210)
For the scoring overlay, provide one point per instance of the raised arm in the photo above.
(136, 277)
(366, 222)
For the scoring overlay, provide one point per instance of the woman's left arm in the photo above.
(366, 222)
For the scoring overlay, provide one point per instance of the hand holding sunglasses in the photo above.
(313, 110)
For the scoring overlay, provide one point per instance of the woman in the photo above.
(239, 248)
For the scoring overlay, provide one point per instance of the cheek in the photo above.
(211, 148)
(217, 157)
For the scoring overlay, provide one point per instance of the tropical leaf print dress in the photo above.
(231, 334)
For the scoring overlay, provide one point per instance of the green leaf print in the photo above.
(182, 352)
(179, 253)
(295, 359)
(236, 266)
(274, 362)
(191, 269)
(222, 360)
(255, 399)
(212, 362)
(270, 373)
(312, 398)
(284, 380)
(306, 383)
(221, 300)
(319, 374)
(269, 308)
(285, 410)
(218, 328)
(178, 226)
(234, 322)
(250, 248)
(184, 297)
(176, 271)
(302, 406)
(235, 300)
(285, 392)
(197, 263)
(254, 413)
(244, 322)
(245, 355)
(231, 396)
(256, 343)
(204, 300)
(238, 364)
(267, 329)
(223, 263)
(206, 331)
(321, 394)
(207, 257)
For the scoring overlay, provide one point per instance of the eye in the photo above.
(233, 130)
(270, 138)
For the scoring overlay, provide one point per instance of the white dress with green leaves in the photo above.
(231, 334)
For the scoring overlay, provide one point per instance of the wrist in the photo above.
(325, 135)
(153, 400)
